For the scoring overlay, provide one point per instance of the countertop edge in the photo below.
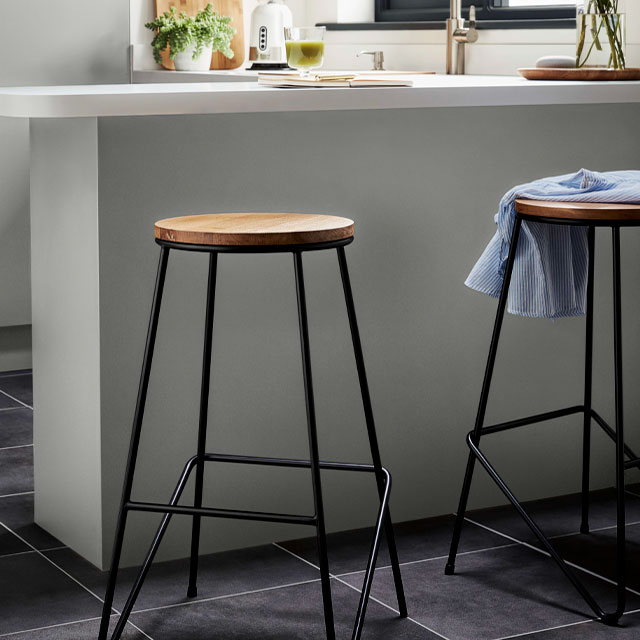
(215, 98)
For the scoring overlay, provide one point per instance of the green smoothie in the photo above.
(303, 54)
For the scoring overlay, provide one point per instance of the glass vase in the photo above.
(601, 37)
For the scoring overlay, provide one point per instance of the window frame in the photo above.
(485, 9)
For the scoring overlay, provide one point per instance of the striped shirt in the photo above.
(551, 265)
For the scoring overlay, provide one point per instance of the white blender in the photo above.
(266, 41)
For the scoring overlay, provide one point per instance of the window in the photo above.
(494, 11)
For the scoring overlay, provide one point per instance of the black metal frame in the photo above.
(438, 10)
(197, 462)
(617, 434)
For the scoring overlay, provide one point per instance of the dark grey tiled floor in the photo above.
(17, 469)
(16, 428)
(502, 588)
(19, 386)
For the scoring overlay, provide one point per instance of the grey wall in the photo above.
(44, 42)
(422, 186)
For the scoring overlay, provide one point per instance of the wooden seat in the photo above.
(588, 211)
(254, 229)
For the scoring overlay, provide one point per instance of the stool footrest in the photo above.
(540, 417)
(547, 547)
(288, 462)
(153, 507)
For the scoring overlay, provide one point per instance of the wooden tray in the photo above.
(585, 74)
(233, 8)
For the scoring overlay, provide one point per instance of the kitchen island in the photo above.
(421, 171)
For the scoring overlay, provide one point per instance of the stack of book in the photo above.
(284, 79)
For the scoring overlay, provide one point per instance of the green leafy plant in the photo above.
(178, 31)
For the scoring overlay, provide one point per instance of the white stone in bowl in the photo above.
(556, 62)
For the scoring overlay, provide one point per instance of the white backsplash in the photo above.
(496, 52)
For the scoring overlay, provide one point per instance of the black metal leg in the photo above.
(373, 556)
(135, 439)
(151, 554)
(610, 618)
(314, 450)
(588, 384)
(620, 450)
(548, 547)
(484, 396)
(192, 591)
(371, 431)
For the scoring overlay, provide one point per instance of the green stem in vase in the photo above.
(604, 13)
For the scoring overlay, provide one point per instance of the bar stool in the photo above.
(590, 215)
(253, 233)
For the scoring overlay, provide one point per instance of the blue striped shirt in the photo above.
(551, 265)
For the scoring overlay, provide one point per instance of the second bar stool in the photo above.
(253, 233)
(589, 215)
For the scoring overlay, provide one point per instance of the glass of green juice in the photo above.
(305, 48)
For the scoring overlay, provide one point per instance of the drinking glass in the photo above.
(305, 48)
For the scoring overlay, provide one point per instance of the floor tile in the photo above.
(634, 487)
(597, 552)
(429, 538)
(36, 594)
(628, 629)
(17, 513)
(18, 386)
(294, 613)
(220, 574)
(81, 630)
(494, 594)
(557, 516)
(8, 403)
(16, 471)
(10, 544)
(16, 427)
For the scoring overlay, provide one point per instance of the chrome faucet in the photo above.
(378, 59)
(458, 35)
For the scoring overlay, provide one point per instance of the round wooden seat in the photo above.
(587, 211)
(254, 229)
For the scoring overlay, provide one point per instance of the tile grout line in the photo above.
(51, 626)
(24, 404)
(346, 584)
(17, 446)
(23, 553)
(562, 626)
(66, 573)
(598, 530)
(26, 372)
(15, 495)
(412, 562)
(223, 597)
(11, 408)
(546, 554)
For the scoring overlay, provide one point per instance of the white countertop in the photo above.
(248, 97)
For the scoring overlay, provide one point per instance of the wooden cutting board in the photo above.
(231, 8)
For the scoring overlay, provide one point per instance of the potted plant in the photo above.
(191, 39)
